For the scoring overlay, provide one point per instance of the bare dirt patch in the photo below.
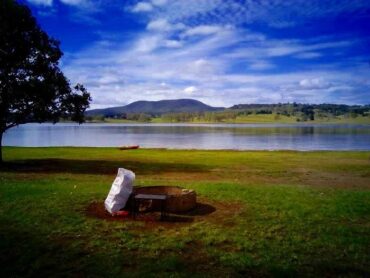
(205, 210)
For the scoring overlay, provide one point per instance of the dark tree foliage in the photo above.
(32, 87)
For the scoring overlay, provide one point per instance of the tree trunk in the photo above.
(1, 146)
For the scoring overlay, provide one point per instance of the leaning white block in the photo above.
(120, 191)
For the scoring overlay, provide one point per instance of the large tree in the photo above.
(32, 87)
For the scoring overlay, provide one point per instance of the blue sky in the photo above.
(222, 52)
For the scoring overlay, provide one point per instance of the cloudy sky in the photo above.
(222, 52)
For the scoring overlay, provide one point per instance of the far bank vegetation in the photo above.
(253, 113)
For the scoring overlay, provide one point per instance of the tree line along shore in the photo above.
(251, 113)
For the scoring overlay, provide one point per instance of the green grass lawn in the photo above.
(278, 213)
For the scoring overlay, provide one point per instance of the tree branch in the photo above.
(11, 125)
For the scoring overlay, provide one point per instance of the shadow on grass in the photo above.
(25, 253)
(98, 167)
(97, 210)
(200, 210)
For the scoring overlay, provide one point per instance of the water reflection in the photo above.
(190, 136)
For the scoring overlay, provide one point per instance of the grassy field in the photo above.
(273, 214)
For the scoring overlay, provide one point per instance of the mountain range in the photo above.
(156, 108)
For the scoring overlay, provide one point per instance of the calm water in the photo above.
(191, 136)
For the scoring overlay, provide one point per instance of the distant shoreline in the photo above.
(358, 120)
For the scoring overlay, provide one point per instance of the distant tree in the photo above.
(99, 118)
(353, 114)
(32, 87)
(277, 116)
(144, 117)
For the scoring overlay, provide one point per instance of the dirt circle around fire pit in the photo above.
(212, 211)
(179, 199)
(217, 212)
(183, 207)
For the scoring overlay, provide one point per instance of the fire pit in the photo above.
(178, 199)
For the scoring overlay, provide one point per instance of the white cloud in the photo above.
(159, 2)
(142, 7)
(288, 47)
(278, 48)
(162, 25)
(314, 84)
(148, 6)
(159, 25)
(203, 30)
(308, 55)
(41, 2)
(173, 43)
(50, 2)
(190, 90)
(73, 2)
(261, 65)
(148, 43)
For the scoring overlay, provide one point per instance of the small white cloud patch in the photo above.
(41, 2)
(162, 25)
(308, 55)
(314, 84)
(203, 30)
(173, 44)
(159, 2)
(261, 65)
(142, 7)
(190, 90)
(72, 2)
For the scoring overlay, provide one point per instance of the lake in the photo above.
(194, 136)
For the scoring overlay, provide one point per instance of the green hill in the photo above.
(156, 108)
